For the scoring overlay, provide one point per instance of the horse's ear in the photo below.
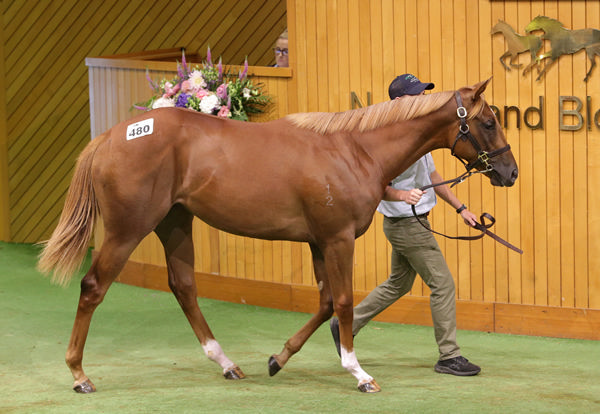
(478, 89)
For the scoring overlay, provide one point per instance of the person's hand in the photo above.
(469, 218)
(412, 196)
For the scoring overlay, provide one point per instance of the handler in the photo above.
(415, 250)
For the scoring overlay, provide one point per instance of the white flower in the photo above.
(209, 103)
(163, 103)
(197, 80)
(246, 92)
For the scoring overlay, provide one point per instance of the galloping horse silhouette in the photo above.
(313, 177)
(564, 41)
(517, 44)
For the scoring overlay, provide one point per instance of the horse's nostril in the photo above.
(514, 174)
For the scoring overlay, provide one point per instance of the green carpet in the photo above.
(143, 358)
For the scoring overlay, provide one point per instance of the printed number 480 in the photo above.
(140, 129)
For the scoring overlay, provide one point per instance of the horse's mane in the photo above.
(377, 115)
(552, 22)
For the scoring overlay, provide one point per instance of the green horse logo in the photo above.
(562, 42)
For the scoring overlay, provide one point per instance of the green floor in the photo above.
(143, 358)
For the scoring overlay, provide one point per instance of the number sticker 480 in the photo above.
(140, 129)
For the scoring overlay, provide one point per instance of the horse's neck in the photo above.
(507, 30)
(396, 147)
(556, 31)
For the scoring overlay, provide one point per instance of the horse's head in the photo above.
(500, 27)
(543, 23)
(480, 143)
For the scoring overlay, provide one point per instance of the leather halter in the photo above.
(464, 134)
(483, 158)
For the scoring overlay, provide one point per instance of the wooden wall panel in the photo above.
(45, 81)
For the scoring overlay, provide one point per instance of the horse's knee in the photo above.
(343, 304)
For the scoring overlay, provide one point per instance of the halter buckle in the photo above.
(461, 112)
(483, 157)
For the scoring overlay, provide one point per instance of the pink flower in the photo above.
(224, 112)
(201, 93)
(186, 86)
(171, 90)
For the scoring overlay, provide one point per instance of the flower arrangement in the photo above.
(209, 90)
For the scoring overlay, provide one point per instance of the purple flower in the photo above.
(222, 91)
(220, 69)
(208, 60)
(183, 61)
(153, 85)
(182, 100)
(245, 72)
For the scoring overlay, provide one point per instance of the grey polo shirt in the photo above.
(416, 176)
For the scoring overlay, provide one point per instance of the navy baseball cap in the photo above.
(407, 84)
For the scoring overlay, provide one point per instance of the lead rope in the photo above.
(482, 226)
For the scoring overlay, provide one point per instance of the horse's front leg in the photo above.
(542, 72)
(338, 260)
(175, 234)
(503, 57)
(295, 343)
(333, 269)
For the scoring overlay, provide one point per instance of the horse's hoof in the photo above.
(370, 386)
(274, 366)
(85, 387)
(234, 373)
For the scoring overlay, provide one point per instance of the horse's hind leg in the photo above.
(105, 268)
(592, 52)
(175, 233)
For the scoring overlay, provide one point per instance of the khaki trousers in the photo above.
(415, 250)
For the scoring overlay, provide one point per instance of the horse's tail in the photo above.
(64, 252)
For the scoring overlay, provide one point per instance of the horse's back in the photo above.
(266, 180)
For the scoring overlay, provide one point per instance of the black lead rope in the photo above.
(482, 226)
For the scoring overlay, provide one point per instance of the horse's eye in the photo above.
(490, 124)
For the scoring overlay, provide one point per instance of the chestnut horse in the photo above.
(312, 177)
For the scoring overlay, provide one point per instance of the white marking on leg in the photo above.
(351, 364)
(213, 351)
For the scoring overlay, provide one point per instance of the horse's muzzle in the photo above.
(501, 180)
